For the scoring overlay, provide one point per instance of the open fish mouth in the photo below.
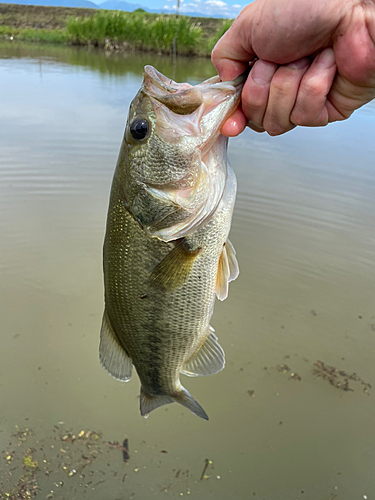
(197, 110)
(190, 116)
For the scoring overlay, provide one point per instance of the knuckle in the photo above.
(255, 104)
(254, 100)
(283, 85)
(214, 55)
(313, 87)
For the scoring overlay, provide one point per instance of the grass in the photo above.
(35, 35)
(111, 29)
(211, 42)
(136, 29)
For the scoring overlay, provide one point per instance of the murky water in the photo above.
(304, 232)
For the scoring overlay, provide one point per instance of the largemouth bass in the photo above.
(166, 249)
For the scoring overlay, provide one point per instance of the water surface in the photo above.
(303, 229)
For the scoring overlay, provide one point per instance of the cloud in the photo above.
(207, 7)
(216, 3)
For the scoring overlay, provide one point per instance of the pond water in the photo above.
(298, 327)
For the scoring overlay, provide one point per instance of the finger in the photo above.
(282, 96)
(254, 97)
(310, 109)
(254, 127)
(233, 51)
(235, 124)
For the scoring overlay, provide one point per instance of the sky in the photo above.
(227, 8)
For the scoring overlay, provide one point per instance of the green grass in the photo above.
(211, 42)
(35, 35)
(112, 29)
(136, 29)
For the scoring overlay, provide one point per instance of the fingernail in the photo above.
(326, 58)
(299, 64)
(263, 72)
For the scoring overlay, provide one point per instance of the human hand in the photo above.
(316, 62)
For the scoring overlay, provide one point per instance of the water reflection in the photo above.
(303, 231)
(107, 63)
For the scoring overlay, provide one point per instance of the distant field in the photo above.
(115, 30)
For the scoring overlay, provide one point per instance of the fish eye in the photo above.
(139, 128)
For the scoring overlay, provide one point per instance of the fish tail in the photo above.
(150, 402)
(186, 399)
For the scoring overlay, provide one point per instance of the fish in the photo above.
(166, 254)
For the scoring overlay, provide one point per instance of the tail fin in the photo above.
(187, 400)
(183, 397)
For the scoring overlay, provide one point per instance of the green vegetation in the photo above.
(114, 30)
(35, 35)
(226, 24)
(136, 29)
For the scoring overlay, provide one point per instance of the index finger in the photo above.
(233, 51)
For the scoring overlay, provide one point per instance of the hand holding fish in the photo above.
(316, 62)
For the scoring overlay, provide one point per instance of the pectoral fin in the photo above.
(234, 270)
(174, 270)
(227, 270)
(208, 359)
(112, 355)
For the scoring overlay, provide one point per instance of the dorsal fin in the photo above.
(112, 355)
(208, 359)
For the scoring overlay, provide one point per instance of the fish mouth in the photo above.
(191, 117)
(191, 111)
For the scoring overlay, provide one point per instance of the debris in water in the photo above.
(28, 462)
(283, 368)
(124, 448)
(339, 378)
(207, 462)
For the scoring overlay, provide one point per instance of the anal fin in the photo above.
(112, 355)
(208, 359)
(174, 270)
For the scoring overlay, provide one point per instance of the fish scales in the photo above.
(162, 267)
